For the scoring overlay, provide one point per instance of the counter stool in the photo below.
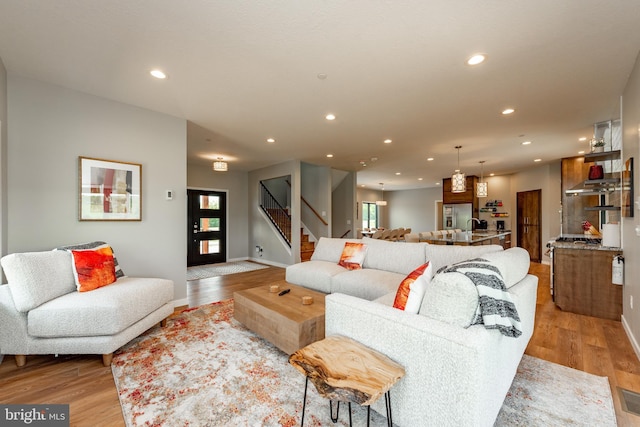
(345, 370)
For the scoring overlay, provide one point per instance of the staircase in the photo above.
(306, 247)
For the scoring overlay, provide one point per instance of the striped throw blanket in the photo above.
(496, 309)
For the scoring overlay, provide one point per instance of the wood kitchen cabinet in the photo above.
(468, 196)
(582, 282)
(528, 216)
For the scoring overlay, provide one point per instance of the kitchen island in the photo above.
(581, 278)
(477, 237)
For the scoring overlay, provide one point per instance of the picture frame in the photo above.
(627, 189)
(109, 190)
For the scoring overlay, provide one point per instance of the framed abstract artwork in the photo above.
(109, 190)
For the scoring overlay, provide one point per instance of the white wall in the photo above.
(260, 231)
(50, 127)
(237, 188)
(315, 187)
(413, 209)
(630, 241)
(343, 214)
(4, 215)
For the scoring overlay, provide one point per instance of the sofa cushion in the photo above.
(37, 277)
(93, 245)
(443, 255)
(451, 298)
(366, 283)
(352, 256)
(330, 249)
(314, 275)
(513, 264)
(93, 268)
(412, 289)
(104, 311)
(398, 257)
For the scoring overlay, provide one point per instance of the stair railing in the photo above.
(315, 212)
(278, 215)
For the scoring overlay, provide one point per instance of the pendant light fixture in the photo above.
(382, 202)
(458, 180)
(220, 165)
(481, 187)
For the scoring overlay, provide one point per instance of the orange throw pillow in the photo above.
(412, 289)
(353, 255)
(93, 269)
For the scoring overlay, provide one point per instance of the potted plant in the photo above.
(597, 145)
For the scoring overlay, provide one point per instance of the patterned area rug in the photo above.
(214, 270)
(206, 369)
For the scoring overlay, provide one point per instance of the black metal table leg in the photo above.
(387, 402)
(304, 401)
(334, 419)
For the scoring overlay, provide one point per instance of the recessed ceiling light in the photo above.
(271, 140)
(419, 179)
(322, 76)
(581, 152)
(438, 183)
(158, 74)
(329, 155)
(526, 143)
(492, 174)
(429, 159)
(362, 185)
(476, 59)
(508, 111)
(582, 138)
(398, 173)
(387, 141)
(537, 160)
(330, 117)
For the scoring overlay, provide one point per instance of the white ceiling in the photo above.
(241, 72)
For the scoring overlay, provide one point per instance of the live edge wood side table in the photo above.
(345, 370)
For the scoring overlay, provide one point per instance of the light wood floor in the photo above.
(598, 346)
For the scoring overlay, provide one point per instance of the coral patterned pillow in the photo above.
(93, 269)
(353, 255)
(412, 289)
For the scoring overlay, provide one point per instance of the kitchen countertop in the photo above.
(587, 243)
(583, 245)
(464, 237)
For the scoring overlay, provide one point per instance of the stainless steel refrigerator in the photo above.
(456, 216)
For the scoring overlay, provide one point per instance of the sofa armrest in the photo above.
(454, 375)
(13, 324)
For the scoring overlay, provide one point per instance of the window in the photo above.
(369, 215)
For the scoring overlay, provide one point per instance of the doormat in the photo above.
(214, 270)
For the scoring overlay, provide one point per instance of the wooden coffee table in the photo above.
(282, 320)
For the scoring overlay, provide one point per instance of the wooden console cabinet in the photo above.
(582, 282)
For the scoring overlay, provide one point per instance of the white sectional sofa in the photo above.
(385, 265)
(41, 311)
(457, 374)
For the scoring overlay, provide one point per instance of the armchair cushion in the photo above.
(37, 277)
(104, 311)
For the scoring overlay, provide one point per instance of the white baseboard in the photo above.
(632, 339)
(244, 258)
(264, 261)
